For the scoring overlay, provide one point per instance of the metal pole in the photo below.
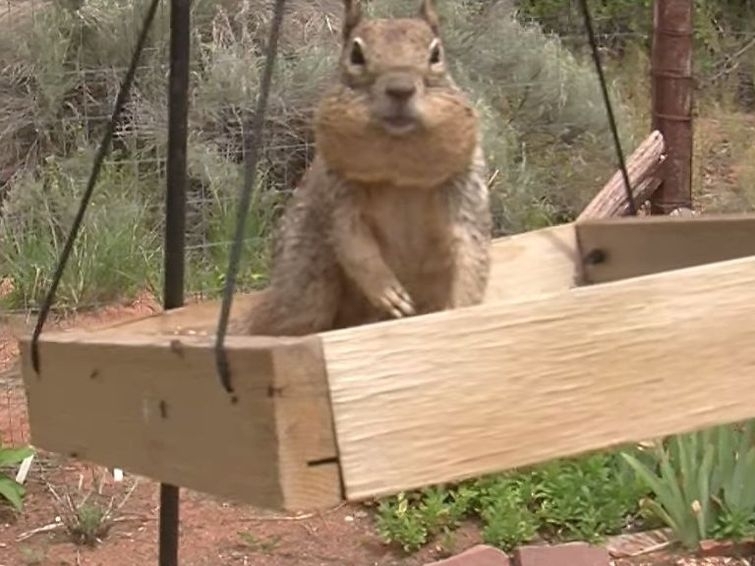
(672, 86)
(175, 221)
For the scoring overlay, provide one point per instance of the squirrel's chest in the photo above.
(412, 227)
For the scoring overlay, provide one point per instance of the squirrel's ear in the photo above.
(351, 16)
(428, 13)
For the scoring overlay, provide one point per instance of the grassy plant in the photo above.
(32, 556)
(702, 483)
(10, 490)
(213, 225)
(583, 499)
(401, 523)
(88, 518)
(116, 253)
(573, 499)
(506, 506)
(251, 542)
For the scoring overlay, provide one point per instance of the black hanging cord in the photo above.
(102, 151)
(609, 108)
(252, 143)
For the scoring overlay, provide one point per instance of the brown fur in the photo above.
(393, 215)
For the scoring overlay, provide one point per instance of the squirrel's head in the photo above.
(396, 114)
(394, 62)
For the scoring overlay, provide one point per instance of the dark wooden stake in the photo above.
(672, 86)
(175, 221)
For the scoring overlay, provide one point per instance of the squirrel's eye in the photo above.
(357, 55)
(435, 53)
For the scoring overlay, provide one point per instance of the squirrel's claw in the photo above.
(398, 302)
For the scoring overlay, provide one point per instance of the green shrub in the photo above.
(507, 509)
(724, 65)
(400, 523)
(571, 499)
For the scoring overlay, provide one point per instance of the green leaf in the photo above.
(670, 504)
(673, 498)
(12, 491)
(703, 495)
(747, 497)
(666, 497)
(12, 456)
(739, 492)
(723, 439)
(663, 515)
(687, 476)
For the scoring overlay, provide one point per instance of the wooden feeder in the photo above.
(653, 336)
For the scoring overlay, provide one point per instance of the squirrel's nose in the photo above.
(400, 90)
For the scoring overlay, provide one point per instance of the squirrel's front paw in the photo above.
(393, 298)
(397, 301)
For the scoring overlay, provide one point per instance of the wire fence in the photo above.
(546, 134)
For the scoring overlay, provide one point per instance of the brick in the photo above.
(720, 548)
(480, 555)
(569, 554)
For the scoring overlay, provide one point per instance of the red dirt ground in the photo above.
(212, 532)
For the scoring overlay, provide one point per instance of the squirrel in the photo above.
(392, 218)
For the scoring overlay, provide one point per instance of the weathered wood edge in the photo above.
(310, 473)
(621, 248)
(153, 405)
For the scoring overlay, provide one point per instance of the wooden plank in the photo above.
(540, 261)
(196, 318)
(136, 364)
(630, 247)
(455, 394)
(308, 466)
(153, 406)
(531, 263)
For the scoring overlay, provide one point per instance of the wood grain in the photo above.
(153, 406)
(531, 263)
(635, 246)
(456, 394)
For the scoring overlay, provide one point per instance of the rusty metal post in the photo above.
(175, 227)
(672, 86)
